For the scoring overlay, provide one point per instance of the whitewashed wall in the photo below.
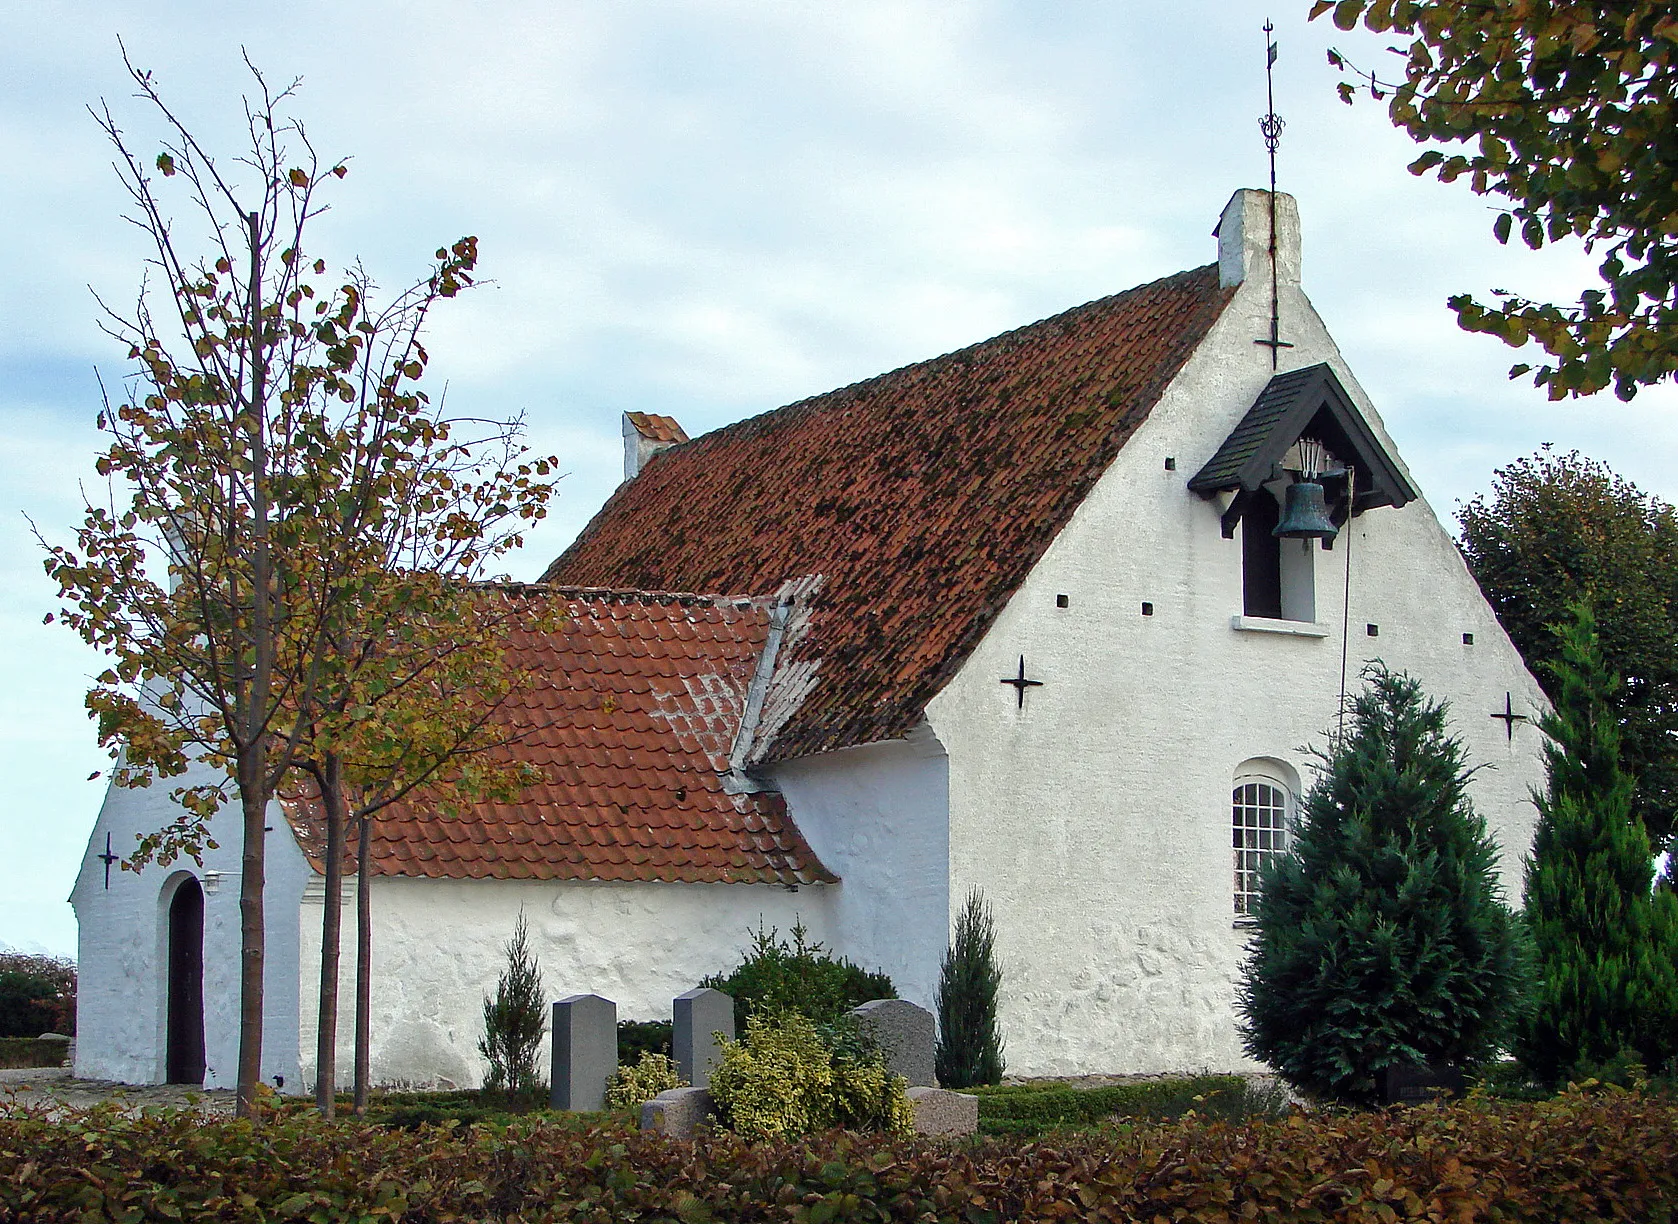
(122, 953)
(878, 817)
(1097, 819)
(439, 946)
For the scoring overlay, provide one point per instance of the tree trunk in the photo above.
(253, 763)
(363, 965)
(253, 803)
(331, 931)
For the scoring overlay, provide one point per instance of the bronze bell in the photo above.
(1305, 514)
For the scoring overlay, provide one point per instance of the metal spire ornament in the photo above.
(1271, 125)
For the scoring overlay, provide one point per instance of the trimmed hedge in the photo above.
(32, 1052)
(1607, 1157)
(1028, 1110)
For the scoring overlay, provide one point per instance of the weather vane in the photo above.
(1271, 125)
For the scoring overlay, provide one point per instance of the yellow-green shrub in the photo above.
(630, 1087)
(782, 1081)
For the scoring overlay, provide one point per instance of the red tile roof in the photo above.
(657, 428)
(630, 711)
(922, 498)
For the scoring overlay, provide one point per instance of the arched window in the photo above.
(1261, 814)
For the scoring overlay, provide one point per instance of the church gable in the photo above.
(913, 504)
(630, 711)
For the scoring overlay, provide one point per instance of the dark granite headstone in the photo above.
(698, 1016)
(585, 1051)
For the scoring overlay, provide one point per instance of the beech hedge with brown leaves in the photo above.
(1577, 1158)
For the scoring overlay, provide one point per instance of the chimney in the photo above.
(645, 435)
(1243, 235)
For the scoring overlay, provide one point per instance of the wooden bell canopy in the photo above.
(1308, 403)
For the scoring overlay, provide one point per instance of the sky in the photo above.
(709, 208)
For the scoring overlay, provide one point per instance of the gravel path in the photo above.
(36, 1085)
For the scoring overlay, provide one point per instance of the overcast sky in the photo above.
(710, 208)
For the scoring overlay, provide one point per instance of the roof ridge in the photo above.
(722, 432)
(634, 594)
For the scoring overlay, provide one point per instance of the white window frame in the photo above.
(1260, 828)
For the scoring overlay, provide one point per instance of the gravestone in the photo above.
(585, 1051)
(907, 1035)
(675, 1114)
(938, 1111)
(1419, 1083)
(698, 1016)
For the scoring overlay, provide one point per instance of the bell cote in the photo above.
(1300, 409)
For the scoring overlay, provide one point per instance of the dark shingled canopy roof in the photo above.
(922, 498)
(1309, 399)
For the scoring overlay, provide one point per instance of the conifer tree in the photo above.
(1607, 945)
(969, 1041)
(1382, 937)
(515, 1019)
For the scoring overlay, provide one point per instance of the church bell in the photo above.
(1305, 514)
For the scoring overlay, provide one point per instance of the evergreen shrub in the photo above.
(638, 1037)
(37, 995)
(515, 1020)
(1382, 938)
(969, 1040)
(1606, 942)
(802, 977)
(634, 1084)
(783, 1080)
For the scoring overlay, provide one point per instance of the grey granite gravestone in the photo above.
(907, 1035)
(675, 1114)
(585, 1051)
(698, 1016)
(939, 1111)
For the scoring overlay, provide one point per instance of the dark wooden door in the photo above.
(184, 1053)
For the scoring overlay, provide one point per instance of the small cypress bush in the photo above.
(515, 1020)
(1606, 944)
(969, 1041)
(1382, 937)
(802, 977)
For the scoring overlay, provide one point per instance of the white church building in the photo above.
(1015, 618)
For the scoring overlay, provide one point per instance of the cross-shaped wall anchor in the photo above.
(1508, 716)
(1020, 683)
(107, 858)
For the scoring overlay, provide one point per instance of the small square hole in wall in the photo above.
(1372, 630)
(1468, 639)
(1171, 465)
(1062, 601)
(1147, 608)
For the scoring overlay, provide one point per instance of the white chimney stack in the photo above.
(1243, 236)
(645, 435)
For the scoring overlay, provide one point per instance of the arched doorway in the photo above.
(184, 1050)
